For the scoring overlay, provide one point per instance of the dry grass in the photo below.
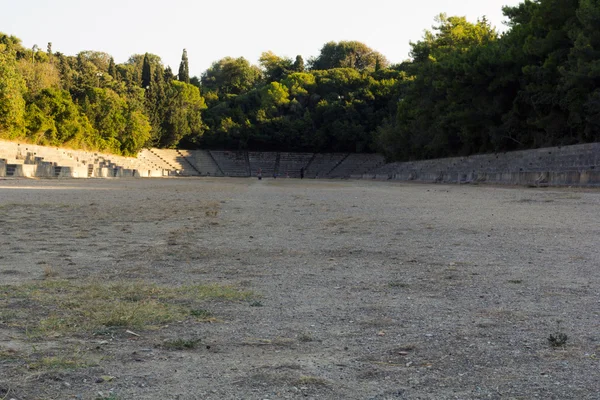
(309, 380)
(56, 307)
(212, 209)
(71, 361)
(49, 272)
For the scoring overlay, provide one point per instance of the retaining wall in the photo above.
(567, 165)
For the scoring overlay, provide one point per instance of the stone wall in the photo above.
(566, 165)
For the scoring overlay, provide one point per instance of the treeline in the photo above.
(86, 101)
(467, 89)
(473, 91)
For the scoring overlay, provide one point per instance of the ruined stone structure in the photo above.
(568, 165)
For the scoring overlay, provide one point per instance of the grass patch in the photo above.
(57, 362)
(58, 306)
(202, 315)
(65, 361)
(9, 355)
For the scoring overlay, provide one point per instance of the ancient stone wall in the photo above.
(567, 165)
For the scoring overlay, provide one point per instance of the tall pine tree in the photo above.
(184, 69)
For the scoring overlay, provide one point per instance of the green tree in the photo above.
(146, 72)
(53, 120)
(12, 87)
(347, 54)
(274, 67)
(230, 76)
(298, 64)
(184, 69)
(112, 68)
(183, 118)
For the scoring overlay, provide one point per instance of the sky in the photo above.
(211, 30)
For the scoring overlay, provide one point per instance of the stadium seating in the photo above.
(290, 164)
(205, 163)
(263, 161)
(232, 163)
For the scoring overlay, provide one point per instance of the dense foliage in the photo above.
(466, 89)
(474, 91)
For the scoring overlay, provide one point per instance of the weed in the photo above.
(558, 339)
(515, 281)
(256, 304)
(397, 284)
(49, 272)
(211, 209)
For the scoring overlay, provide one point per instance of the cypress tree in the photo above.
(146, 72)
(112, 69)
(184, 69)
(299, 64)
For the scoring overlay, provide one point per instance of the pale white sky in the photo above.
(214, 29)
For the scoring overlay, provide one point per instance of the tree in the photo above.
(168, 74)
(131, 71)
(38, 76)
(12, 104)
(112, 69)
(298, 64)
(230, 76)
(274, 67)
(53, 119)
(183, 116)
(146, 72)
(184, 69)
(347, 54)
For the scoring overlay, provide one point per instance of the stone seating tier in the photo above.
(290, 164)
(232, 163)
(265, 161)
(206, 164)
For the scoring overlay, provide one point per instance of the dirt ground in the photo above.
(361, 290)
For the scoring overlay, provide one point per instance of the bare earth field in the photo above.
(289, 289)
